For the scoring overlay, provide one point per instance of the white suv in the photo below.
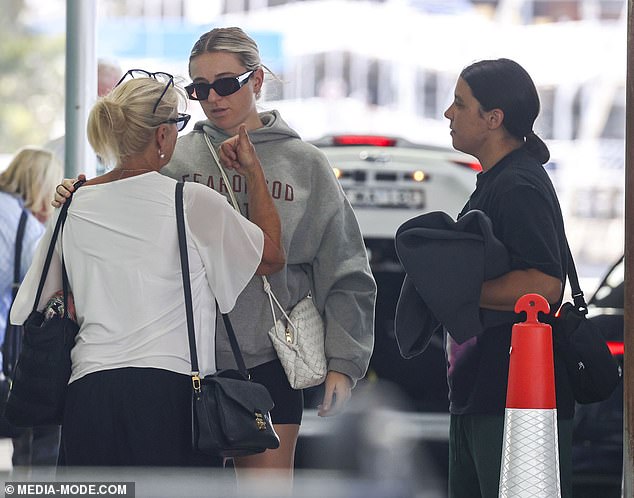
(390, 180)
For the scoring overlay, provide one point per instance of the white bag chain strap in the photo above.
(214, 154)
(234, 201)
(288, 334)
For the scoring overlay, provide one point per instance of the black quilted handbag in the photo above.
(40, 380)
(230, 414)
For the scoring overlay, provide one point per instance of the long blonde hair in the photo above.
(33, 175)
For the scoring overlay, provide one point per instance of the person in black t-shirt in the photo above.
(491, 117)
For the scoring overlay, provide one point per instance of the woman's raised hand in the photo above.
(65, 189)
(239, 154)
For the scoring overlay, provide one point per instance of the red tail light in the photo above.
(364, 140)
(616, 348)
(475, 166)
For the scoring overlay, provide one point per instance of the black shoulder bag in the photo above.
(230, 414)
(593, 373)
(40, 379)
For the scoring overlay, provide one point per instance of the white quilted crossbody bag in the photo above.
(298, 338)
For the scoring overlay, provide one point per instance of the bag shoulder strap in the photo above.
(577, 293)
(49, 255)
(19, 238)
(267, 286)
(235, 347)
(182, 245)
(214, 154)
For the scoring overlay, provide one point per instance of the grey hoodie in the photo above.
(324, 247)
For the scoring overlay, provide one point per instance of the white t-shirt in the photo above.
(121, 253)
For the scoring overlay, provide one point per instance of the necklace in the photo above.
(135, 171)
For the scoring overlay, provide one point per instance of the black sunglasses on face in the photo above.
(166, 78)
(181, 121)
(222, 86)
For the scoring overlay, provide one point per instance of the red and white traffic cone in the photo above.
(530, 456)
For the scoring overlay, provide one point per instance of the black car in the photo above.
(598, 427)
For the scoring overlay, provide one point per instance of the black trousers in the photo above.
(130, 417)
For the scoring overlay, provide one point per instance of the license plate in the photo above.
(386, 197)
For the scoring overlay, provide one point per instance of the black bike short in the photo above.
(289, 402)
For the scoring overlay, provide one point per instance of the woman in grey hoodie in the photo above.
(324, 247)
(320, 234)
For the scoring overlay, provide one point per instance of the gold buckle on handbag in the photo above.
(196, 382)
(260, 421)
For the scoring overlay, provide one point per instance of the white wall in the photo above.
(5, 159)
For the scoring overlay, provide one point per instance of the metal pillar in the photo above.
(81, 85)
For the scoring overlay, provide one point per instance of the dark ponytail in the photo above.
(504, 84)
(537, 148)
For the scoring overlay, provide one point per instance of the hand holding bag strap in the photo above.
(49, 255)
(182, 244)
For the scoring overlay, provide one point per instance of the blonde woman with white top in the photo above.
(129, 392)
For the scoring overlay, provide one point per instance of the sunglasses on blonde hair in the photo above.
(166, 78)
